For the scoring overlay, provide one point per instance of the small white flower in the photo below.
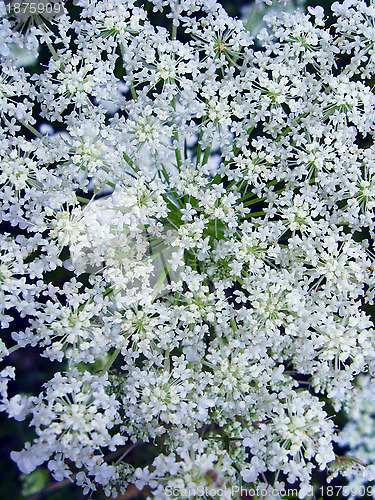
(251, 473)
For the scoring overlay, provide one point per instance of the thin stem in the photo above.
(134, 94)
(167, 362)
(14, 348)
(83, 200)
(199, 150)
(32, 129)
(127, 451)
(161, 280)
(110, 361)
(52, 49)
(255, 214)
(251, 17)
(176, 139)
(206, 156)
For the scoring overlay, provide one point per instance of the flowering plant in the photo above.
(210, 198)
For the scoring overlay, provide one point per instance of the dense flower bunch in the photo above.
(210, 199)
(358, 436)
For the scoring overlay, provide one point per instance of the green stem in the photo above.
(134, 94)
(167, 362)
(177, 151)
(251, 17)
(176, 139)
(53, 51)
(127, 159)
(199, 150)
(32, 129)
(255, 214)
(83, 200)
(206, 156)
(110, 361)
(14, 348)
(161, 280)
(257, 200)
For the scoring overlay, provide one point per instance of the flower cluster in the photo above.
(358, 437)
(209, 200)
(73, 420)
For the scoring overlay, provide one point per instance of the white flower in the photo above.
(31, 457)
(251, 473)
(17, 407)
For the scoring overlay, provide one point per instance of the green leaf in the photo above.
(34, 482)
